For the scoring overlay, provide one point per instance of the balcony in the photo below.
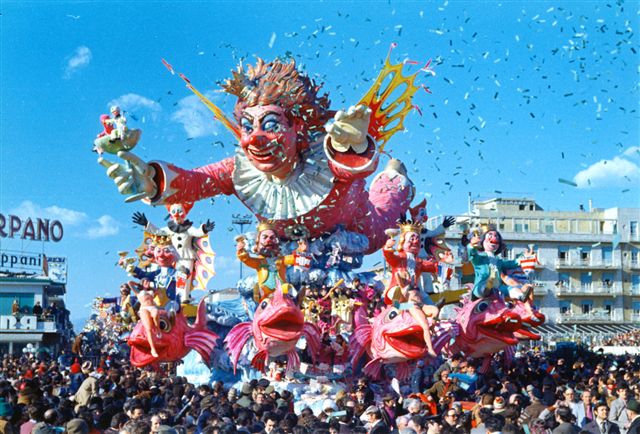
(602, 289)
(632, 264)
(594, 316)
(635, 317)
(634, 290)
(601, 264)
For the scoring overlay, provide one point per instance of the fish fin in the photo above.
(236, 340)
(403, 370)
(201, 317)
(260, 360)
(359, 342)
(293, 362)
(373, 369)
(203, 341)
(360, 316)
(312, 333)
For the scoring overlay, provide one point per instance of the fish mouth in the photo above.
(502, 328)
(286, 325)
(409, 341)
(525, 332)
(141, 351)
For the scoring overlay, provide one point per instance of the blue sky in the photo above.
(525, 94)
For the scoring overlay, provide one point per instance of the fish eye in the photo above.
(510, 305)
(481, 307)
(165, 325)
(263, 305)
(393, 314)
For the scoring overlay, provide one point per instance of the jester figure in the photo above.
(183, 235)
(288, 167)
(406, 269)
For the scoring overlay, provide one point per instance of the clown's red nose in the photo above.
(255, 140)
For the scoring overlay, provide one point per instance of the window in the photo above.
(584, 254)
(636, 308)
(565, 307)
(563, 253)
(521, 207)
(521, 227)
(587, 306)
(563, 279)
(585, 281)
(607, 255)
(607, 280)
(608, 307)
(547, 227)
(635, 254)
(633, 229)
(635, 283)
(6, 302)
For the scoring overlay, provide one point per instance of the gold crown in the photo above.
(266, 225)
(160, 240)
(486, 227)
(410, 226)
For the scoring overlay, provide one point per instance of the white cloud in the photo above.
(195, 117)
(84, 226)
(617, 172)
(66, 216)
(632, 152)
(80, 58)
(106, 227)
(131, 101)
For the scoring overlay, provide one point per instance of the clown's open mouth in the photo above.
(263, 154)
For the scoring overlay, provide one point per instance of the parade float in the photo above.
(309, 312)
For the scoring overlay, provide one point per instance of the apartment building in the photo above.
(588, 279)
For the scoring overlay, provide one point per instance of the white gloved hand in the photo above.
(134, 178)
(349, 129)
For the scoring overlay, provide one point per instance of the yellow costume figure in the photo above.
(270, 265)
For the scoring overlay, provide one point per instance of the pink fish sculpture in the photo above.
(394, 338)
(278, 323)
(173, 338)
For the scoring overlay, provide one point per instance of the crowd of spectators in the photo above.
(538, 393)
(629, 339)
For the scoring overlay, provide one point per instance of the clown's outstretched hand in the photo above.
(349, 129)
(134, 177)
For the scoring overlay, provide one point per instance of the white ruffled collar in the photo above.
(272, 198)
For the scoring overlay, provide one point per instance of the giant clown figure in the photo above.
(289, 168)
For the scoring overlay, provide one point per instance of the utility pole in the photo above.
(241, 221)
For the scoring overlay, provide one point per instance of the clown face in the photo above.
(411, 243)
(268, 243)
(491, 242)
(165, 256)
(269, 140)
(177, 213)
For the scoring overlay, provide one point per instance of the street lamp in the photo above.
(241, 221)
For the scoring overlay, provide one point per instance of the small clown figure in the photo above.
(163, 278)
(301, 263)
(406, 270)
(118, 124)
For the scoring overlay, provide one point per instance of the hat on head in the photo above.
(388, 397)
(42, 428)
(77, 426)
(246, 389)
(86, 366)
(263, 382)
(244, 402)
(371, 409)
(634, 406)
(329, 404)
(269, 389)
(498, 404)
(207, 402)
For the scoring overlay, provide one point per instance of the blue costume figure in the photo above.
(491, 270)
(164, 277)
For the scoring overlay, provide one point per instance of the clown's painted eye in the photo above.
(246, 125)
(271, 124)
